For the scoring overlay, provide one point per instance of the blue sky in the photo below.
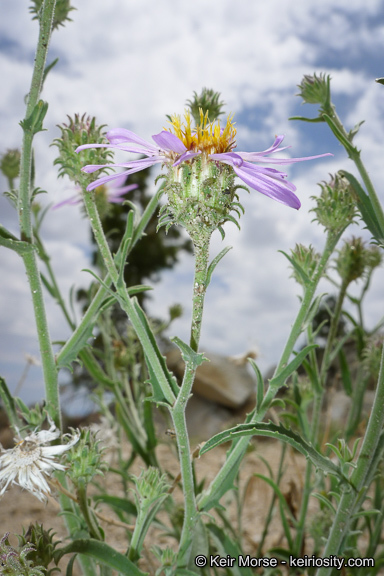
(131, 62)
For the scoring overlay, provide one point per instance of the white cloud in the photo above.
(130, 63)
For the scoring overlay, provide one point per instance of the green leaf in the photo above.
(48, 286)
(194, 359)
(144, 525)
(281, 433)
(232, 219)
(298, 268)
(352, 133)
(126, 243)
(8, 240)
(304, 119)
(259, 383)
(103, 553)
(224, 546)
(339, 135)
(214, 263)
(65, 358)
(222, 233)
(366, 513)
(286, 515)
(9, 404)
(132, 290)
(69, 570)
(196, 544)
(368, 212)
(279, 380)
(48, 68)
(116, 502)
(345, 373)
(34, 123)
(168, 376)
(324, 500)
(226, 485)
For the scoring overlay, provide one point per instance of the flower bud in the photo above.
(84, 461)
(208, 102)
(62, 9)
(336, 206)
(316, 90)
(373, 257)
(80, 130)
(307, 259)
(372, 355)
(14, 562)
(10, 164)
(351, 260)
(150, 487)
(43, 545)
(168, 559)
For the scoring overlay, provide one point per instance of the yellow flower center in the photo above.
(207, 137)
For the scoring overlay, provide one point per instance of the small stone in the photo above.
(221, 380)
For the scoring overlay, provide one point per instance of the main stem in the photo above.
(201, 245)
(177, 408)
(24, 210)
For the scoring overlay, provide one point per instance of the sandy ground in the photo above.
(19, 508)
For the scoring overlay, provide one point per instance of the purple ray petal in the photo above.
(124, 147)
(118, 136)
(105, 179)
(140, 164)
(72, 201)
(269, 185)
(186, 156)
(231, 158)
(167, 141)
(124, 190)
(137, 168)
(255, 157)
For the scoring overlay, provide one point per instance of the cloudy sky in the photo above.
(131, 62)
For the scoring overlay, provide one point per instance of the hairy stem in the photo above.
(24, 210)
(199, 287)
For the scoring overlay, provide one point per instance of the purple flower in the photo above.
(114, 193)
(212, 144)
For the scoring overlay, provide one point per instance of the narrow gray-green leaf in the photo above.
(298, 268)
(259, 383)
(194, 359)
(281, 433)
(103, 553)
(215, 262)
(279, 380)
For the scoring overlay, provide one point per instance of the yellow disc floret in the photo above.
(207, 137)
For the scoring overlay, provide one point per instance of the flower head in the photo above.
(202, 167)
(30, 461)
(181, 143)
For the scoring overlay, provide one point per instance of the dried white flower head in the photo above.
(30, 461)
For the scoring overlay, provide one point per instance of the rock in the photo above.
(222, 380)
